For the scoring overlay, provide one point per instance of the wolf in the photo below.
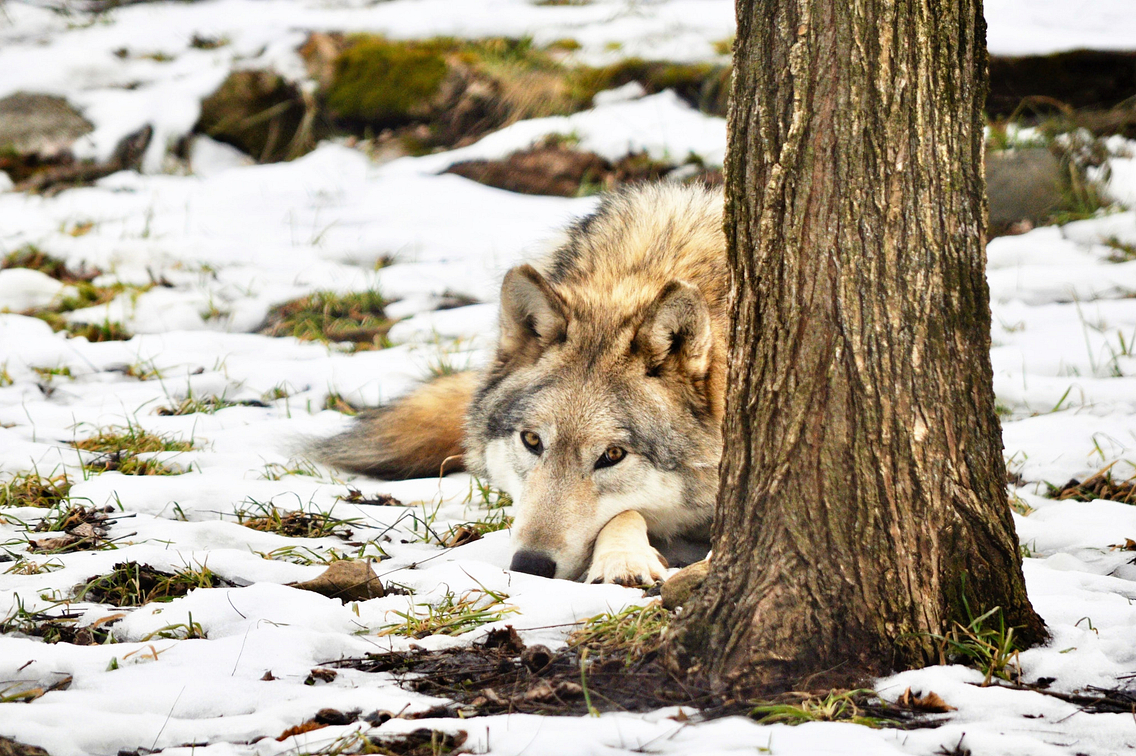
(600, 413)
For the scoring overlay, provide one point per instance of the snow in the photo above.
(230, 241)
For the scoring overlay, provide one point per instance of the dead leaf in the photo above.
(931, 702)
(85, 530)
(300, 729)
(109, 618)
(268, 676)
(1128, 545)
(348, 580)
(323, 675)
(56, 543)
(569, 689)
(491, 696)
(379, 500)
(542, 691)
(461, 537)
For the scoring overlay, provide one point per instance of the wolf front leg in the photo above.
(624, 555)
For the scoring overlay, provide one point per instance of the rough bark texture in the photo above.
(863, 485)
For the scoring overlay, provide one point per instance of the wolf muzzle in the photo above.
(533, 563)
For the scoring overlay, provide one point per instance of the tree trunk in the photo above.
(863, 504)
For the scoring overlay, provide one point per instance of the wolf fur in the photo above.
(616, 341)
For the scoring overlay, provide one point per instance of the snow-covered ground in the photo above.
(234, 240)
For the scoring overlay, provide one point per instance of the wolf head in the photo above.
(604, 396)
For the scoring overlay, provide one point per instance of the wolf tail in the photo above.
(417, 436)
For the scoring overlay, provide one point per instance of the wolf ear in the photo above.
(533, 316)
(675, 333)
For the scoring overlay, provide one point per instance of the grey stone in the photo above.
(40, 125)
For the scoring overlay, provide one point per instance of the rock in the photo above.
(261, 114)
(683, 584)
(1023, 185)
(41, 126)
(26, 289)
(37, 131)
(348, 580)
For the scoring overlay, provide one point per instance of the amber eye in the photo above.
(613, 456)
(532, 442)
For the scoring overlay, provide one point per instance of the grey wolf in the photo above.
(600, 413)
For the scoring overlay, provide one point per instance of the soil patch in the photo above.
(556, 169)
(501, 675)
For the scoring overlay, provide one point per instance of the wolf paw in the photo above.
(631, 568)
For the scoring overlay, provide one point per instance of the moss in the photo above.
(705, 86)
(380, 81)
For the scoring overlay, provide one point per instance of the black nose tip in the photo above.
(533, 563)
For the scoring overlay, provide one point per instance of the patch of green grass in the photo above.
(205, 405)
(270, 519)
(108, 330)
(188, 630)
(279, 471)
(119, 450)
(31, 256)
(984, 643)
(128, 464)
(85, 295)
(356, 319)
(54, 627)
(307, 556)
(1121, 251)
(48, 374)
(143, 370)
(25, 566)
(1099, 485)
(493, 502)
(335, 401)
(452, 615)
(836, 706)
(630, 634)
(133, 584)
(34, 490)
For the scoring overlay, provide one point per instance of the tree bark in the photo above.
(863, 504)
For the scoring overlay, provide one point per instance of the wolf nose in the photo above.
(533, 563)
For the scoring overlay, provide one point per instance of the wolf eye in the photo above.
(532, 442)
(613, 456)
